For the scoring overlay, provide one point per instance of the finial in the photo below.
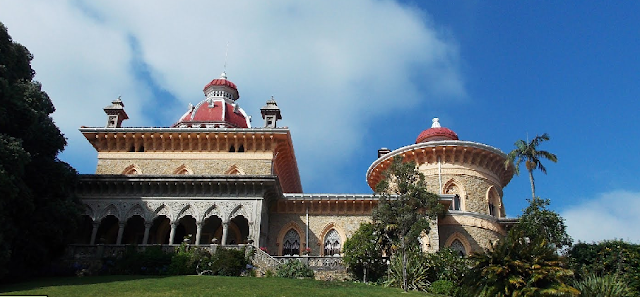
(223, 75)
(436, 123)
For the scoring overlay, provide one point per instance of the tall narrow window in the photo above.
(291, 243)
(332, 243)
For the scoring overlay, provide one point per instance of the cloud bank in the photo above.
(612, 215)
(332, 66)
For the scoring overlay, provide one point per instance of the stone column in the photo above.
(198, 232)
(174, 225)
(147, 227)
(94, 232)
(120, 232)
(225, 229)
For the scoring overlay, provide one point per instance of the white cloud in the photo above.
(333, 66)
(612, 215)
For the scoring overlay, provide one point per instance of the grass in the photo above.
(127, 285)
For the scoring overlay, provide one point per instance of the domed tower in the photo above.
(219, 108)
(470, 174)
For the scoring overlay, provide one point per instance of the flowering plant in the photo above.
(264, 249)
(306, 251)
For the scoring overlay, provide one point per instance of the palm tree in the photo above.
(529, 153)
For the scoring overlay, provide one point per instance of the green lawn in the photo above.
(195, 286)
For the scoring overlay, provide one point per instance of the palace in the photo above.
(213, 178)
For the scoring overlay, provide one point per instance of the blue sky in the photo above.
(353, 77)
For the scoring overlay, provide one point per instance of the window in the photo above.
(291, 243)
(457, 246)
(332, 243)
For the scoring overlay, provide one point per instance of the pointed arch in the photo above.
(284, 231)
(494, 202)
(88, 210)
(111, 209)
(132, 169)
(163, 210)
(238, 211)
(234, 169)
(136, 209)
(323, 238)
(452, 186)
(458, 242)
(183, 169)
(188, 210)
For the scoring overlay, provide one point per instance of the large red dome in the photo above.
(436, 133)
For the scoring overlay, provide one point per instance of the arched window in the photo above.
(332, 243)
(494, 203)
(457, 246)
(132, 169)
(291, 243)
(452, 188)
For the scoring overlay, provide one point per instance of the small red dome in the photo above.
(221, 82)
(214, 112)
(436, 133)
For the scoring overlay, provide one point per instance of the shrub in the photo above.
(603, 286)
(362, 253)
(416, 271)
(294, 269)
(444, 287)
(152, 261)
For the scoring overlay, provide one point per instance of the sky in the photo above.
(351, 77)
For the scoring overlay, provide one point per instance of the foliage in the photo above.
(294, 269)
(519, 267)
(363, 254)
(150, 286)
(151, 261)
(446, 264)
(539, 222)
(404, 209)
(613, 257)
(528, 153)
(38, 213)
(413, 276)
(603, 286)
(228, 262)
(444, 287)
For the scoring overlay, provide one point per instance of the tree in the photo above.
(529, 153)
(404, 210)
(539, 222)
(519, 267)
(363, 254)
(38, 213)
(610, 257)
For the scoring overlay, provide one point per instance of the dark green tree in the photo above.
(610, 257)
(517, 266)
(538, 221)
(528, 153)
(404, 210)
(38, 213)
(363, 254)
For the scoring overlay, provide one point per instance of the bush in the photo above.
(603, 286)
(227, 262)
(294, 269)
(362, 253)
(444, 287)
(152, 261)
(416, 271)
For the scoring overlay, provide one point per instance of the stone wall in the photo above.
(474, 189)
(319, 225)
(476, 239)
(170, 163)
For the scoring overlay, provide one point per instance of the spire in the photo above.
(270, 113)
(115, 113)
(436, 123)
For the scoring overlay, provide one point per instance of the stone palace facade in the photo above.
(214, 178)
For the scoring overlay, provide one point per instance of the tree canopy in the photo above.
(404, 210)
(38, 213)
(528, 152)
(539, 222)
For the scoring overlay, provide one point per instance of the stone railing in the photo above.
(316, 262)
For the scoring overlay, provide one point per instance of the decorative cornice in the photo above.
(93, 186)
(453, 151)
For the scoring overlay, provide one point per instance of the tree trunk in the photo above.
(405, 283)
(533, 184)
